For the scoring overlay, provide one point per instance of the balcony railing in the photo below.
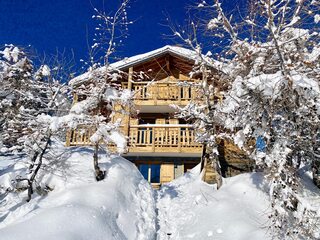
(162, 92)
(80, 136)
(175, 138)
(162, 138)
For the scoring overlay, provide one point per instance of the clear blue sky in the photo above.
(50, 24)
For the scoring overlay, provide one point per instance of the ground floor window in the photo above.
(150, 172)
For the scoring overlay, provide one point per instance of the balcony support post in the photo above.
(179, 95)
(127, 116)
(130, 78)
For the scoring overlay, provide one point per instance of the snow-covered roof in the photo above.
(180, 51)
(131, 61)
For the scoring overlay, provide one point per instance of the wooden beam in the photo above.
(127, 117)
(168, 63)
(68, 136)
(130, 78)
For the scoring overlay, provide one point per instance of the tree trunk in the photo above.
(218, 171)
(33, 160)
(99, 174)
(39, 164)
(203, 157)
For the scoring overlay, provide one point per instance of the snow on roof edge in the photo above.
(127, 62)
(184, 52)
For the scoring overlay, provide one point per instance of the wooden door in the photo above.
(166, 172)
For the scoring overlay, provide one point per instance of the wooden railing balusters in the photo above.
(170, 91)
(157, 138)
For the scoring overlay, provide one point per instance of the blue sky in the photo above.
(50, 24)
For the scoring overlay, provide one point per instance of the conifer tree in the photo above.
(29, 102)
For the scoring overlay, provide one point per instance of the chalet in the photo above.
(162, 146)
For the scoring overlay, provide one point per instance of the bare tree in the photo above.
(101, 92)
(203, 110)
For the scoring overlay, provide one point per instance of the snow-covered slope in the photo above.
(191, 209)
(120, 207)
(124, 206)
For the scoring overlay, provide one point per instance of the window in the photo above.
(150, 172)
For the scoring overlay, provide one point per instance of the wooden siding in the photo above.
(166, 172)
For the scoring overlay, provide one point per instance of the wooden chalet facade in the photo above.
(162, 146)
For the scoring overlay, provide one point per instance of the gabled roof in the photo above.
(174, 50)
(141, 58)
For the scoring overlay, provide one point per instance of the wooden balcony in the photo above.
(79, 136)
(150, 138)
(162, 138)
(162, 93)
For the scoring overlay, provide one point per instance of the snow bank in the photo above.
(123, 206)
(120, 207)
(191, 209)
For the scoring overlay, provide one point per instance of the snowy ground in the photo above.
(124, 206)
(191, 209)
(120, 207)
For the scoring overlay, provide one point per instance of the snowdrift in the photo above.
(120, 207)
(192, 209)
